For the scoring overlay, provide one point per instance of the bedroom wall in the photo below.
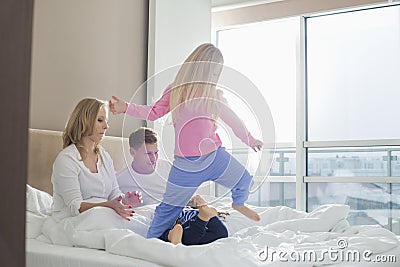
(15, 49)
(175, 30)
(86, 48)
(282, 9)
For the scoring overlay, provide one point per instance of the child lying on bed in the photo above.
(149, 174)
(196, 225)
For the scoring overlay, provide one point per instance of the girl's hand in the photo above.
(117, 107)
(257, 146)
(133, 199)
(123, 210)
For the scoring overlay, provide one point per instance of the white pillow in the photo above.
(37, 201)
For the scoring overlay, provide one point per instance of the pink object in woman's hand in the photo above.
(133, 198)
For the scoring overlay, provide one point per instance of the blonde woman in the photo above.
(196, 103)
(83, 174)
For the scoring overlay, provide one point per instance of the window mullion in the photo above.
(301, 112)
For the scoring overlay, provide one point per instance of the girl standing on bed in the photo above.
(196, 103)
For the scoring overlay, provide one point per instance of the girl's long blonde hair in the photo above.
(81, 123)
(197, 79)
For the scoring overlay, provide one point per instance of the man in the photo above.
(148, 174)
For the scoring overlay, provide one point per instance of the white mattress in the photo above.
(40, 254)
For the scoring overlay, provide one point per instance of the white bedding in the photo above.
(42, 254)
(281, 230)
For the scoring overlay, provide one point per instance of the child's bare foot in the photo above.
(206, 213)
(247, 212)
(223, 214)
(175, 234)
(196, 201)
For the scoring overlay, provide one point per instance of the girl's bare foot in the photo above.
(206, 213)
(247, 212)
(175, 234)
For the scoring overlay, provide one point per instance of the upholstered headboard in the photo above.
(44, 146)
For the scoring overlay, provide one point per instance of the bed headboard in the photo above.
(44, 146)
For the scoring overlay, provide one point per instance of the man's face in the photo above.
(145, 158)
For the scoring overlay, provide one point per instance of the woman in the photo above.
(83, 173)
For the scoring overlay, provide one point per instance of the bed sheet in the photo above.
(391, 257)
(40, 254)
(280, 229)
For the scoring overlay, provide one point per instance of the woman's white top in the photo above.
(74, 183)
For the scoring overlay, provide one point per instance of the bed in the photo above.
(283, 237)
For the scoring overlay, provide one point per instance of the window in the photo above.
(353, 60)
(266, 54)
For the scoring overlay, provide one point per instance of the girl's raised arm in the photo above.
(145, 112)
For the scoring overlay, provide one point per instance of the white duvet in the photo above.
(284, 236)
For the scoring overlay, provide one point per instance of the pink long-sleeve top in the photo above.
(195, 130)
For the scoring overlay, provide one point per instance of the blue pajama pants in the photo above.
(187, 174)
(199, 232)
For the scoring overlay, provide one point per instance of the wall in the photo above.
(86, 48)
(282, 9)
(176, 28)
(15, 49)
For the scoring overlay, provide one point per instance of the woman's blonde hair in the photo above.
(81, 123)
(197, 79)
